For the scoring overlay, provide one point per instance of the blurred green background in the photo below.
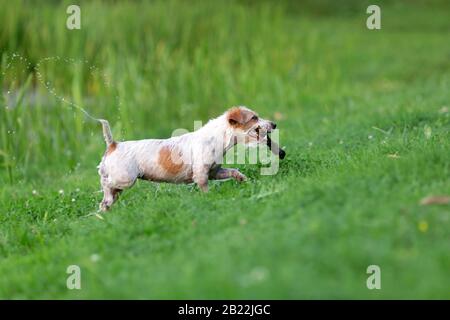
(363, 116)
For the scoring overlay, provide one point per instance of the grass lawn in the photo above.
(363, 116)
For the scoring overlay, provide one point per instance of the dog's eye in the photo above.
(255, 118)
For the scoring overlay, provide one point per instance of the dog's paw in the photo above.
(239, 176)
(104, 206)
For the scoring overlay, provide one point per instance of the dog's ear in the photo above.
(239, 116)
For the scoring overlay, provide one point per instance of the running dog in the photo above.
(192, 157)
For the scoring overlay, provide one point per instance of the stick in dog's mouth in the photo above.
(275, 148)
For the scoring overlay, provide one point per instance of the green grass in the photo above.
(349, 98)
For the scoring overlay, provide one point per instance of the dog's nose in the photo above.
(273, 124)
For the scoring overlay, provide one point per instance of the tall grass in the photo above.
(163, 69)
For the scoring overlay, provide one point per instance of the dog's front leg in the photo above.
(225, 173)
(200, 177)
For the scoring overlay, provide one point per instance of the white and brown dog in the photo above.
(192, 157)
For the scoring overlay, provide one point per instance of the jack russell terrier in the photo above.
(192, 157)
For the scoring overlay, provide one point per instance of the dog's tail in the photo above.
(106, 132)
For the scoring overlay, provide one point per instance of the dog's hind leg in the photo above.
(114, 179)
(110, 195)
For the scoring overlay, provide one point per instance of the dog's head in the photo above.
(248, 127)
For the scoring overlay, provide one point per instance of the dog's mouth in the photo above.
(273, 146)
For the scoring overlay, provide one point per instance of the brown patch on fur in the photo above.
(170, 160)
(111, 148)
(241, 118)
